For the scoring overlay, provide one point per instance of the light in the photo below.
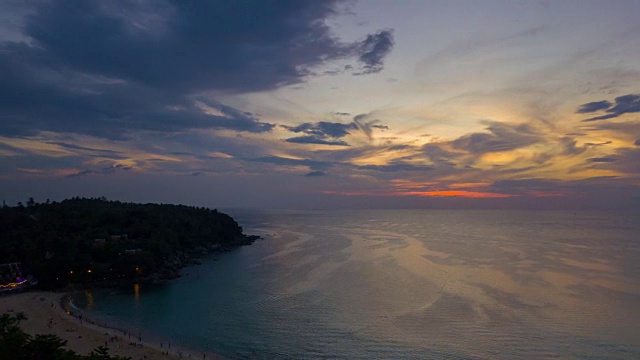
(89, 270)
(14, 284)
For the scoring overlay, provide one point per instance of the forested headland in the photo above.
(88, 241)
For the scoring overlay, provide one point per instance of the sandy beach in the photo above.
(46, 316)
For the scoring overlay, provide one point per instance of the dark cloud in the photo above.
(526, 185)
(313, 139)
(372, 51)
(69, 102)
(396, 167)
(568, 147)
(598, 144)
(623, 105)
(367, 126)
(341, 113)
(437, 154)
(323, 129)
(110, 169)
(400, 147)
(110, 154)
(593, 107)
(321, 166)
(628, 161)
(637, 143)
(81, 173)
(276, 160)
(502, 137)
(107, 68)
(604, 159)
(316, 174)
(325, 133)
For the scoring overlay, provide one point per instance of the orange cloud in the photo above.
(440, 193)
(410, 185)
(435, 189)
(469, 185)
(458, 193)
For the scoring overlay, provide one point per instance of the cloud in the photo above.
(63, 101)
(598, 144)
(103, 170)
(316, 174)
(603, 159)
(325, 133)
(372, 51)
(437, 154)
(12, 149)
(637, 143)
(102, 153)
(625, 104)
(367, 126)
(313, 139)
(593, 107)
(277, 160)
(396, 167)
(501, 137)
(107, 68)
(323, 129)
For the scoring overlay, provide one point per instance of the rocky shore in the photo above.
(172, 267)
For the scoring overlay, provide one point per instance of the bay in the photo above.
(410, 284)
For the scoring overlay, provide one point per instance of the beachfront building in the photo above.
(12, 278)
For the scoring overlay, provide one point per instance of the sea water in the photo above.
(403, 284)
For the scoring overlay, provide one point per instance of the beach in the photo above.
(45, 315)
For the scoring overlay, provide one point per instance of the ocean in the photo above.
(402, 284)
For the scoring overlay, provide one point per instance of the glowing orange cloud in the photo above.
(408, 184)
(441, 193)
(435, 189)
(458, 193)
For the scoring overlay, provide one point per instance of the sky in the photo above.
(322, 104)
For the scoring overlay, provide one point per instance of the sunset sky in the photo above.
(316, 104)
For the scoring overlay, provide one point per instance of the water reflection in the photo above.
(90, 300)
(136, 293)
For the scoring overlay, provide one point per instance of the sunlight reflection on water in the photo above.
(408, 284)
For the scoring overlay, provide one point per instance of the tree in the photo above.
(45, 347)
(20, 316)
(102, 353)
(15, 344)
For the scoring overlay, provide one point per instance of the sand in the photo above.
(46, 316)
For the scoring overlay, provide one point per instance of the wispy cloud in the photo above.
(501, 137)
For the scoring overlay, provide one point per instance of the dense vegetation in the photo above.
(84, 241)
(15, 344)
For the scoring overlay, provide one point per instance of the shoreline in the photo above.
(54, 313)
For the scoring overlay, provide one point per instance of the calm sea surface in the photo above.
(403, 284)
